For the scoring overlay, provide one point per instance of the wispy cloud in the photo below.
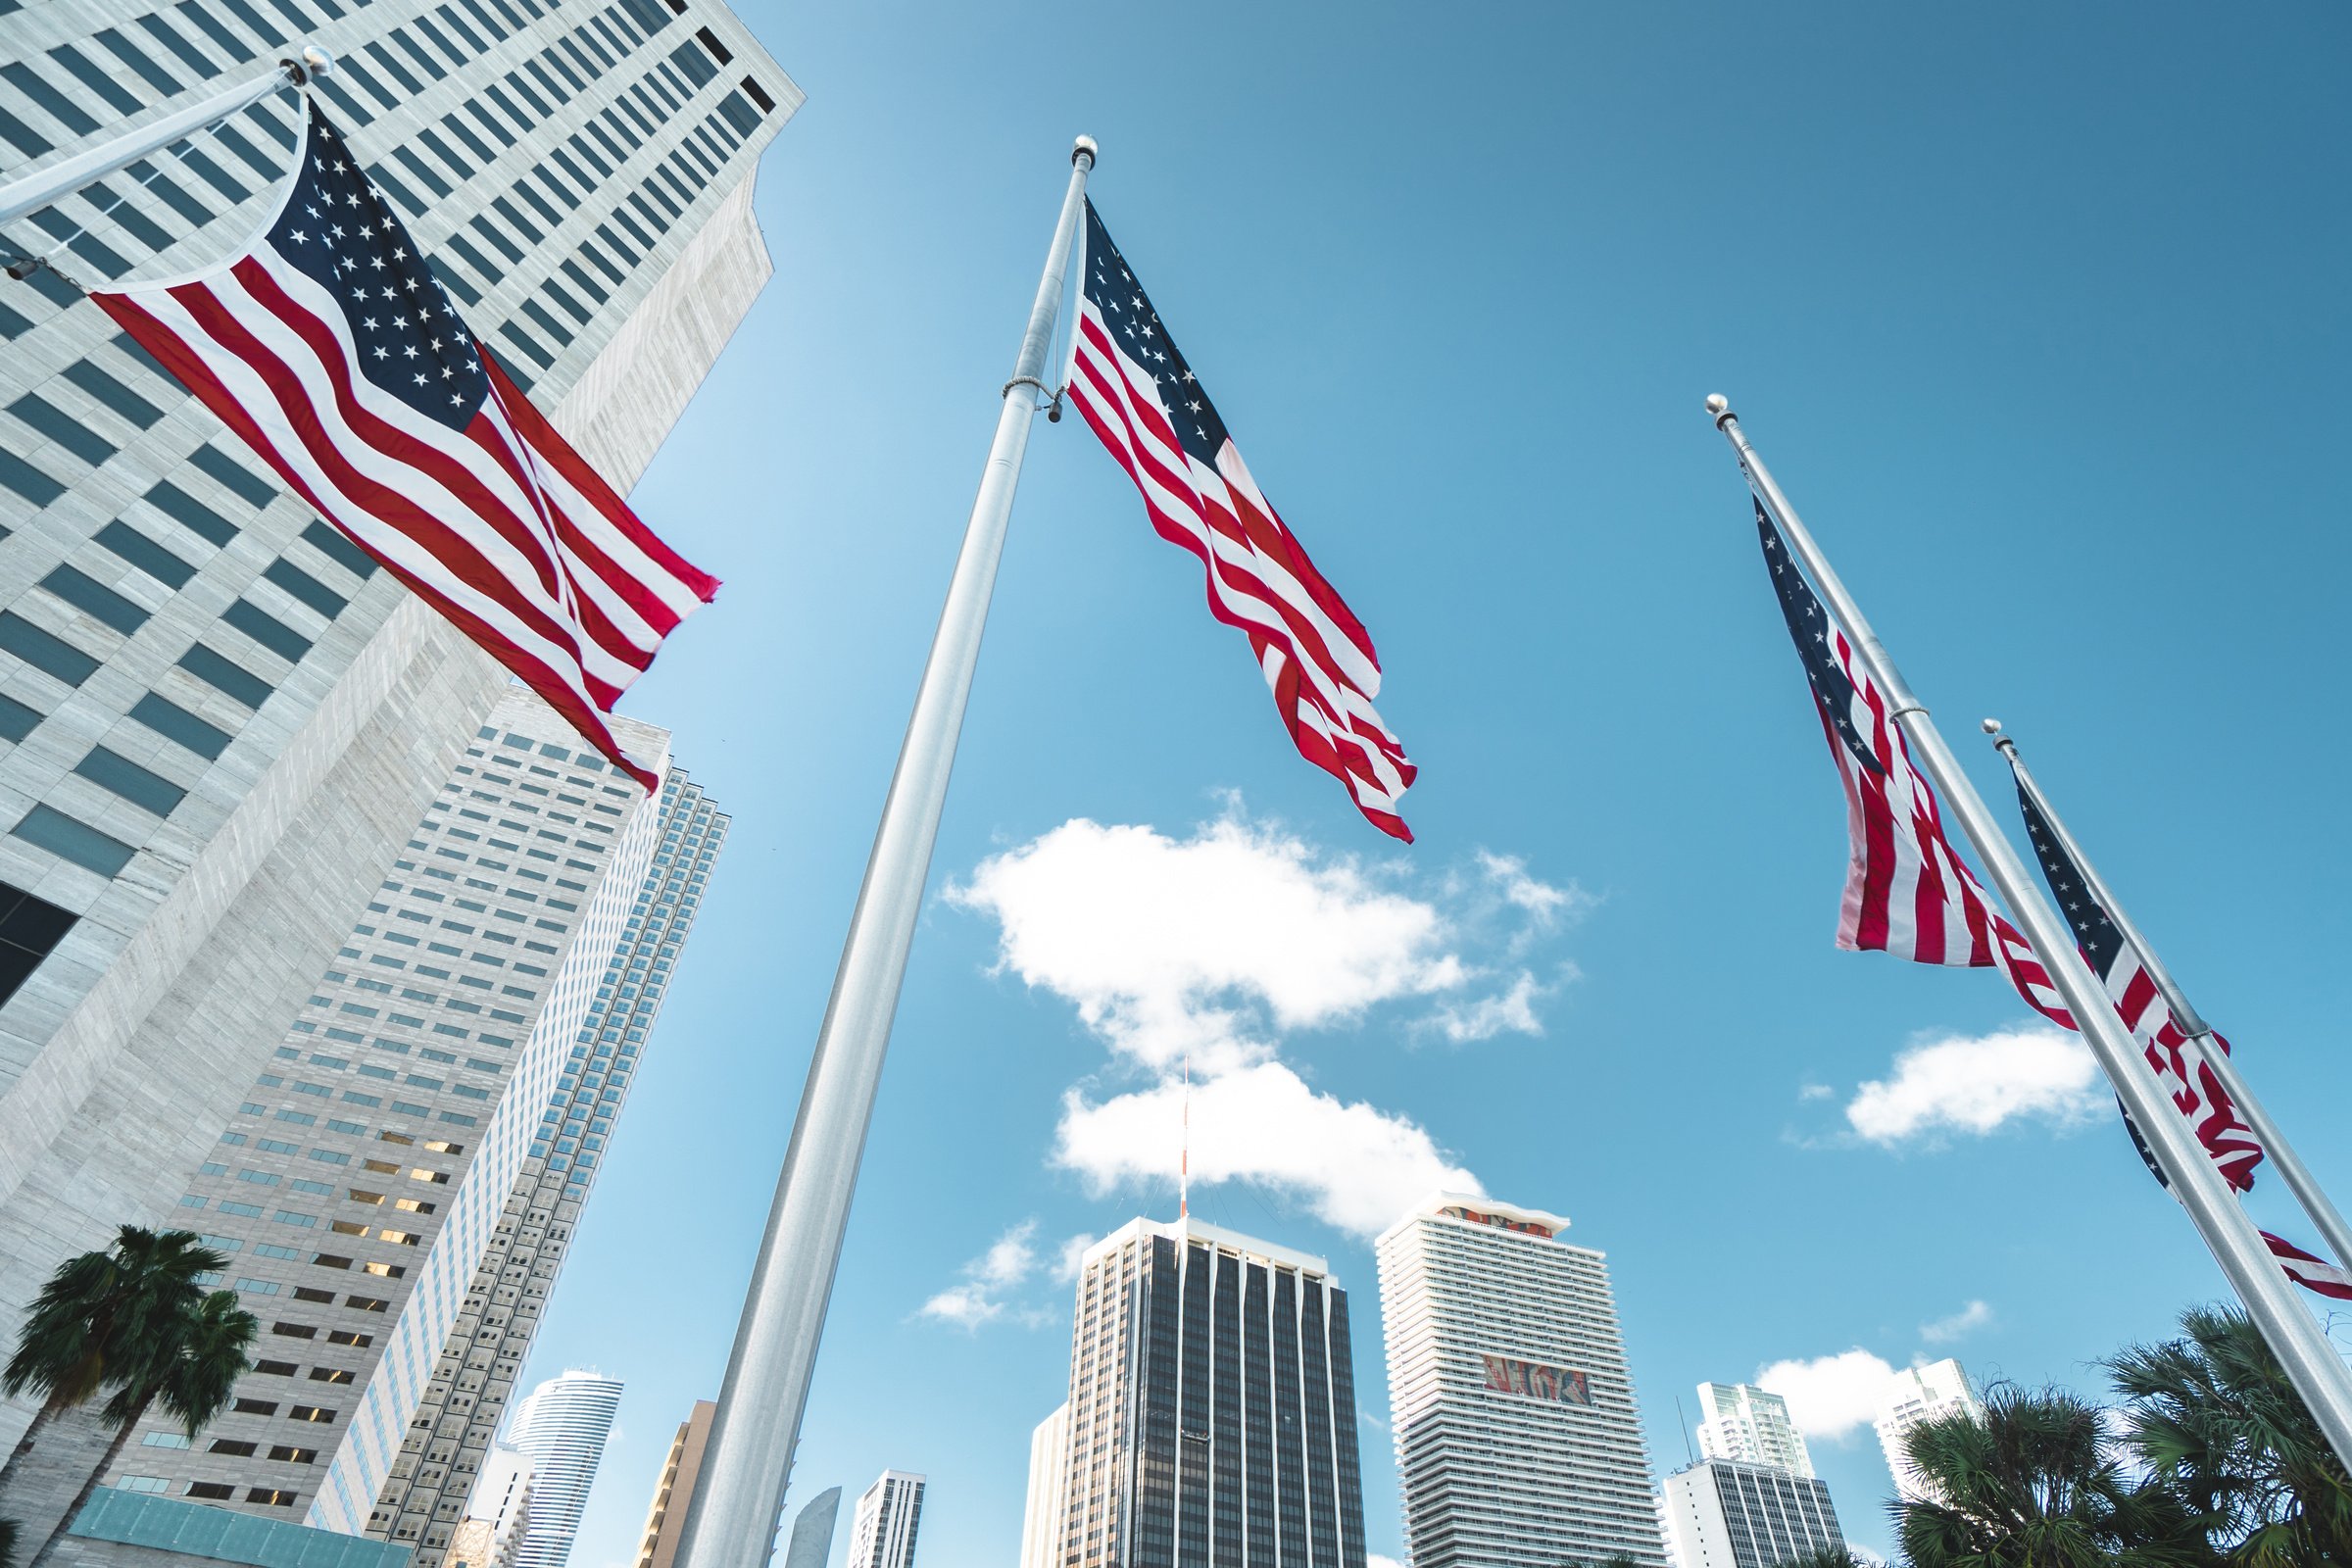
(979, 1298)
(1977, 1084)
(1944, 1329)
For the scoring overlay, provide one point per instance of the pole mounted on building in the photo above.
(44, 187)
(2294, 1336)
(739, 1495)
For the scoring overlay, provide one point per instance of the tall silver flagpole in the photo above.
(2282, 1155)
(739, 1496)
(2311, 1362)
(43, 186)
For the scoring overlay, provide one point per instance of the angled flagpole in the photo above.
(2312, 1363)
(2291, 1170)
(739, 1495)
(43, 187)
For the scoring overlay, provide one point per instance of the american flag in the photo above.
(1908, 892)
(1140, 395)
(331, 350)
(2177, 1059)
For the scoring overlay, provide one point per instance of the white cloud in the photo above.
(1485, 1018)
(1543, 902)
(1832, 1395)
(1944, 1329)
(1356, 1166)
(1166, 944)
(1815, 1091)
(1974, 1084)
(1073, 1256)
(987, 1280)
(1376, 1560)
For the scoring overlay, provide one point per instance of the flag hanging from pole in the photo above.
(330, 348)
(1908, 892)
(2176, 1058)
(1140, 395)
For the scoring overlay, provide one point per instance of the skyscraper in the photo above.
(561, 1426)
(1213, 1406)
(810, 1544)
(1512, 1408)
(665, 1515)
(358, 1188)
(888, 1516)
(485, 1337)
(1048, 1491)
(492, 1531)
(1915, 1394)
(218, 722)
(1741, 1421)
(1727, 1513)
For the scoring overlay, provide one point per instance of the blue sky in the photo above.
(2039, 314)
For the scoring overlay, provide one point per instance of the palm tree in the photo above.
(192, 1375)
(97, 1317)
(2037, 1484)
(2214, 1418)
(1823, 1557)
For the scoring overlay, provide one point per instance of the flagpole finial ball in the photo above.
(1085, 148)
(1718, 404)
(1992, 726)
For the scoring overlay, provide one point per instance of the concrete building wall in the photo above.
(665, 1515)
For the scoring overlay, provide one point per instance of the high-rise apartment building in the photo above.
(501, 1506)
(665, 1515)
(1048, 1491)
(561, 1426)
(1727, 1513)
(485, 1336)
(218, 722)
(1213, 1406)
(889, 1515)
(1741, 1421)
(1518, 1439)
(1915, 1394)
(359, 1187)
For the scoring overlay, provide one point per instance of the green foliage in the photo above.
(102, 1314)
(1824, 1557)
(2216, 1421)
(2037, 1484)
(7, 1543)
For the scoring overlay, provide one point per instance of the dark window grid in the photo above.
(391, 65)
(617, 274)
(53, 102)
(271, 34)
(174, 42)
(426, 175)
(499, 242)
(205, 168)
(457, 127)
(561, 296)
(204, 18)
(522, 226)
(453, 53)
(645, 241)
(513, 83)
(108, 205)
(450, 159)
(128, 781)
(70, 838)
(246, 622)
(91, 74)
(554, 60)
(572, 166)
(659, 95)
(644, 109)
(194, 213)
(98, 600)
(26, 140)
(407, 199)
(55, 425)
(686, 187)
(649, 196)
(488, 121)
(476, 43)
(145, 554)
(268, 165)
(195, 516)
(530, 346)
(73, 235)
(591, 39)
(225, 674)
(545, 80)
(525, 189)
(629, 139)
(123, 49)
(17, 720)
(515, 18)
(742, 118)
(581, 280)
(427, 60)
(579, 143)
(349, 69)
(497, 93)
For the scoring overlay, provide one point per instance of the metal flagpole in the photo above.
(37, 190)
(2291, 1166)
(2318, 1372)
(739, 1495)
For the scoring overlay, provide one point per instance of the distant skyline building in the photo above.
(810, 1544)
(360, 1182)
(1511, 1404)
(1213, 1406)
(1915, 1394)
(1728, 1513)
(562, 1427)
(665, 1515)
(491, 1532)
(1741, 1421)
(888, 1516)
(218, 721)
(1048, 1491)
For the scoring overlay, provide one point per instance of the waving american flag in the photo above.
(1143, 400)
(330, 348)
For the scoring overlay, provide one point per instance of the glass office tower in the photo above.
(1213, 1406)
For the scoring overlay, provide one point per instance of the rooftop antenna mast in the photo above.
(1183, 1163)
